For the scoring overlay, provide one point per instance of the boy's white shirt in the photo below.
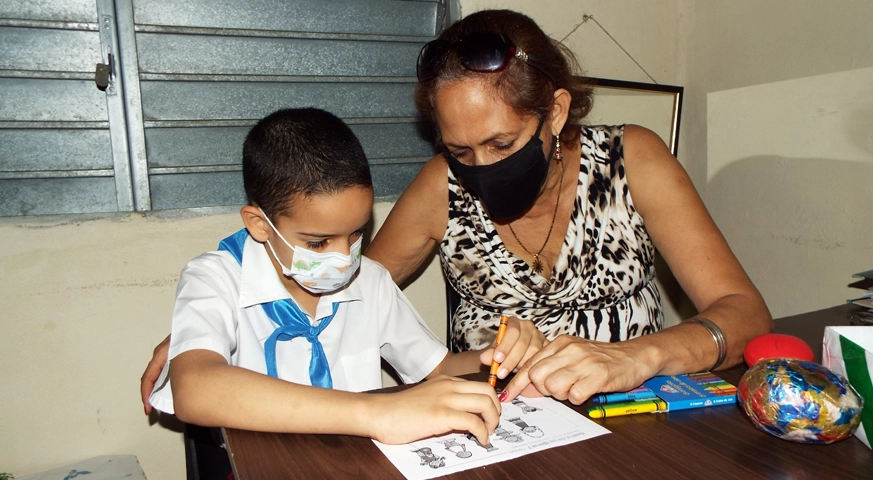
(218, 309)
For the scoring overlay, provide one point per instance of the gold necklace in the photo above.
(538, 264)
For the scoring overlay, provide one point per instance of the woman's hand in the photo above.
(152, 372)
(435, 407)
(574, 369)
(521, 341)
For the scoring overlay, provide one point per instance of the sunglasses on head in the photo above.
(480, 52)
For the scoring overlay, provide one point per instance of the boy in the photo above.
(289, 302)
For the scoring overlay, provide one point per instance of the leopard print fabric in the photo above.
(602, 284)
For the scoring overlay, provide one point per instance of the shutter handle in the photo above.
(104, 74)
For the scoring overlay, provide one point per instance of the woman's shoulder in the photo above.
(621, 140)
(417, 219)
(643, 146)
(432, 179)
(426, 197)
(639, 134)
(650, 166)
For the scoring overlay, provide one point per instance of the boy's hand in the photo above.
(521, 342)
(435, 407)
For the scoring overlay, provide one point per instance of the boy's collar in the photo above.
(260, 283)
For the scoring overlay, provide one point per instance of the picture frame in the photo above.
(654, 106)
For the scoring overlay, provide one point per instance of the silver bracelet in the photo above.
(717, 335)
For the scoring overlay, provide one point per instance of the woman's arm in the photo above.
(705, 267)
(152, 372)
(697, 253)
(416, 223)
(209, 392)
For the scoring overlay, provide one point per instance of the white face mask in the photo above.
(319, 272)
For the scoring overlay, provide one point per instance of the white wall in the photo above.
(777, 136)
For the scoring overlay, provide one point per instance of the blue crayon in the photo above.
(641, 393)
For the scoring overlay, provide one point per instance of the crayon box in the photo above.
(692, 390)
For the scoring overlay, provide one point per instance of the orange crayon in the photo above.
(501, 331)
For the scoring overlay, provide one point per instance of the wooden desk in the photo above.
(717, 442)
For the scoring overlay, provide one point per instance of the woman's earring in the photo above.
(558, 154)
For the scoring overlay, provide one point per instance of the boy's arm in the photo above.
(207, 391)
(456, 364)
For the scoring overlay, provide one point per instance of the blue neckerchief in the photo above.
(291, 323)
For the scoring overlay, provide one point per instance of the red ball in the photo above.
(776, 345)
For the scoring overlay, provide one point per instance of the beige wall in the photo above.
(85, 300)
(648, 30)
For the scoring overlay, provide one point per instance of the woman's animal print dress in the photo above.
(602, 284)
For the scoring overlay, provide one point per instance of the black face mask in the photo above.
(507, 188)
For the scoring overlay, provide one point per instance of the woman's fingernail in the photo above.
(498, 357)
(502, 373)
(502, 396)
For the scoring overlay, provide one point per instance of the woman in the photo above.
(555, 224)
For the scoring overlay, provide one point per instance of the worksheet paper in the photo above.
(527, 425)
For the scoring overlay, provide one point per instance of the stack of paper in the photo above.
(866, 298)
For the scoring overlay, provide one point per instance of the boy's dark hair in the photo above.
(300, 152)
